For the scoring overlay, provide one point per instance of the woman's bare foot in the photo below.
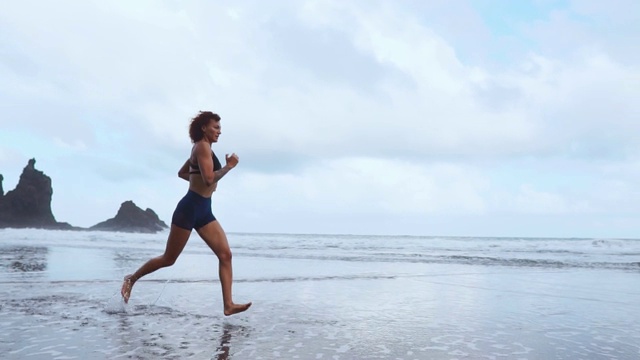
(127, 284)
(235, 308)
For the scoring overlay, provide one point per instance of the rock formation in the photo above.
(130, 218)
(29, 204)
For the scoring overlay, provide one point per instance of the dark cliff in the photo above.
(29, 204)
(131, 218)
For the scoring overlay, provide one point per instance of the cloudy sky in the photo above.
(460, 118)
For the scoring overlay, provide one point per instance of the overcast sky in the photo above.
(460, 118)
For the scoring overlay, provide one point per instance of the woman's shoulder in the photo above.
(201, 145)
(201, 148)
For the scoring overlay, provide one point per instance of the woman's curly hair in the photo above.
(202, 119)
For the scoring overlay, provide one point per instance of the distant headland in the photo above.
(29, 206)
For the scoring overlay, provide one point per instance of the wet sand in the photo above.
(64, 303)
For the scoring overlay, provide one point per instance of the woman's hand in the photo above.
(232, 160)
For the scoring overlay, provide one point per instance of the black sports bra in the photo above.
(195, 168)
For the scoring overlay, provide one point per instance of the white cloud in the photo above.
(366, 185)
(351, 108)
(160, 65)
(531, 201)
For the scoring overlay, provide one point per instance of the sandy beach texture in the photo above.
(321, 297)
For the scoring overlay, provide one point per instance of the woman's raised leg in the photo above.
(178, 238)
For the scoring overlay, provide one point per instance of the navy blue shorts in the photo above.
(193, 212)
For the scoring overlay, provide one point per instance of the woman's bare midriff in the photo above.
(196, 184)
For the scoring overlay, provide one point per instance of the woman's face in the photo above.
(212, 130)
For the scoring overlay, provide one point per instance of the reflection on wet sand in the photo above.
(23, 258)
(350, 302)
(222, 352)
(142, 330)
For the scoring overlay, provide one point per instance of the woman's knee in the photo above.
(224, 255)
(167, 260)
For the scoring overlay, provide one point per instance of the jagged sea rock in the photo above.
(131, 218)
(29, 204)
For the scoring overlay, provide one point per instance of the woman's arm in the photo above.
(232, 160)
(205, 161)
(184, 171)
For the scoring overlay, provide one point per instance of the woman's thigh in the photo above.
(214, 236)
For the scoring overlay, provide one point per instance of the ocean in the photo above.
(320, 297)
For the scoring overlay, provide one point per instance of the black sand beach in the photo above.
(62, 302)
